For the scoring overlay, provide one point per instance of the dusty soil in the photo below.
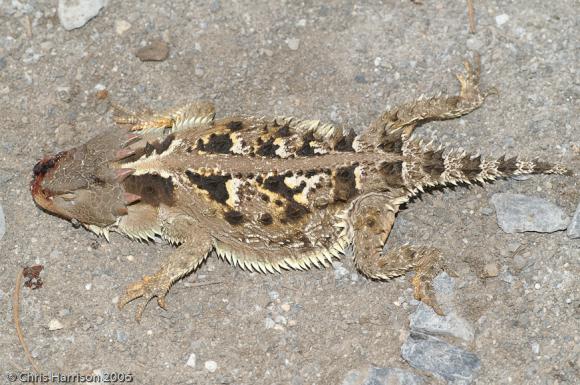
(338, 61)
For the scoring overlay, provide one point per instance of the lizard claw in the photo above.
(149, 287)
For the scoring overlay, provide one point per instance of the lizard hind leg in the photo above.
(402, 119)
(175, 119)
(372, 219)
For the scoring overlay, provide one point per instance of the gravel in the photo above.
(2, 223)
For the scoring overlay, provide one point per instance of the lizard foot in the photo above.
(150, 286)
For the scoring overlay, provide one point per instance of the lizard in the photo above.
(267, 194)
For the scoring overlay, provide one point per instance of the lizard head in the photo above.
(83, 184)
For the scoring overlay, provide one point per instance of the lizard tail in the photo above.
(424, 166)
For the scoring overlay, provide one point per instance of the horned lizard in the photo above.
(266, 194)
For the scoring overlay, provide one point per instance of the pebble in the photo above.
(520, 213)
(122, 337)
(122, 26)
(2, 223)
(30, 56)
(574, 226)
(501, 19)
(76, 13)
(191, 360)
(425, 320)
(158, 50)
(381, 376)
(490, 270)
(293, 43)
(54, 324)
(285, 307)
(210, 366)
(428, 353)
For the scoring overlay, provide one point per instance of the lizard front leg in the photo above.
(193, 250)
(404, 118)
(372, 219)
(175, 119)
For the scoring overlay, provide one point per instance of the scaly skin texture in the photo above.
(266, 194)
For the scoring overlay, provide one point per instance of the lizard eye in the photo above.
(69, 196)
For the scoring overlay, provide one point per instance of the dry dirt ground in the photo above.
(339, 61)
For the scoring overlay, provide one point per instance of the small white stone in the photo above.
(191, 361)
(501, 19)
(378, 61)
(285, 307)
(54, 324)
(122, 26)
(537, 286)
(269, 323)
(76, 13)
(130, 258)
(535, 347)
(293, 43)
(210, 366)
(88, 286)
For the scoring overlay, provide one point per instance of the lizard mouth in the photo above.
(43, 197)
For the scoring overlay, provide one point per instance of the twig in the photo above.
(16, 318)
(471, 16)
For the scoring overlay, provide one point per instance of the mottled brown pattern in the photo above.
(265, 194)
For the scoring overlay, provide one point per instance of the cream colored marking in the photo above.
(238, 144)
(282, 150)
(358, 174)
(232, 187)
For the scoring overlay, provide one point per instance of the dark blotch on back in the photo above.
(470, 167)
(235, 125)
(215, 185)
(433, 163)
(150, 147)
(393, 173)
(293, 212)
(234, 217)
(217, 144)
(345, 183)
(345, 144)
(276, 184)
(306, 149)
(268, 148)
(507, 166)
(266, 219)
(153, 189)
(284, 131)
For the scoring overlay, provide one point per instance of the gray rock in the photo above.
(520, 213)
(2, 223)
(425, 320)
(76, 13)
(574, 226)
(428, 353)
(381, 376)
